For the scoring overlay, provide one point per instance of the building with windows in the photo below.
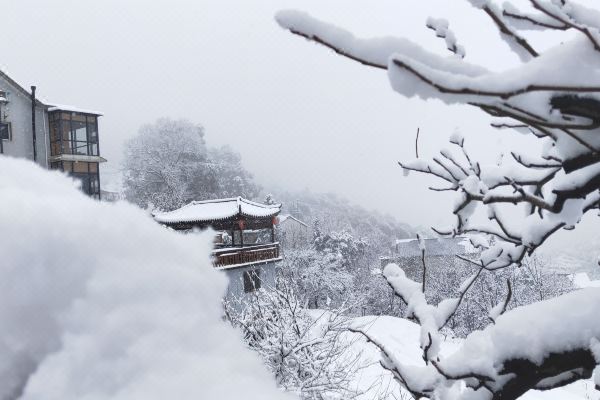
(294, 233)
(246, 248)
(56, 137)
(441, 254)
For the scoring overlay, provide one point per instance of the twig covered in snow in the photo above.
(303, 351)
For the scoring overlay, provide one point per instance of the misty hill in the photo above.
(335, 213)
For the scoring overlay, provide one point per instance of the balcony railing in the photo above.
(236, 256)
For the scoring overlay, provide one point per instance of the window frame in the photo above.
(251, 280)
(66, 137)
(9, 127)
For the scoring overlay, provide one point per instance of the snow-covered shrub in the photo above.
(302, 348)
(324, 274)
(97, 301)
(552, 96)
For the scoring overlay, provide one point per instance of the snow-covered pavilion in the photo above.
(245, 247)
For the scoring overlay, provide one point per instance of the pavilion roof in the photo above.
(218, 210)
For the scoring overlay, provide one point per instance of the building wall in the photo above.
(235, 291)
(293, 233)
(18, 113)
(413, 266)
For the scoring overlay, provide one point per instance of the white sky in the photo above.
(300, 115)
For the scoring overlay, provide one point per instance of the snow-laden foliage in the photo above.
(302, 348)
(97, 301)
(553, 96)
(336, 268)
(317, 278)
(444, 274)
(168, 165)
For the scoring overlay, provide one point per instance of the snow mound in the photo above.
(97, 301)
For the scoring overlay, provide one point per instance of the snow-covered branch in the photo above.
(553, 96)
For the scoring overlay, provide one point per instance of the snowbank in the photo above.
(97, 301)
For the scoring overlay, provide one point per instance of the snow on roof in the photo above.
(220, 209)
(283, 218)
(435, 247)
(582, 280)
(62, 107)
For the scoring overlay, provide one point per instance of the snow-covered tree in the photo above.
(553, 96)
(304, 350)
(319, 277)
(528, 284)
(168, 164)
(161, 160)
(230, 177)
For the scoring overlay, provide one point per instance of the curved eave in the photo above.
(232, 218)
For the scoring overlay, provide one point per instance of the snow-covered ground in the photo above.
(97, 301)
(402, 338)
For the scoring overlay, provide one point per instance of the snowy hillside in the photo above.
(97, 301)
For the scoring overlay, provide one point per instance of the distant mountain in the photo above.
(335, 213)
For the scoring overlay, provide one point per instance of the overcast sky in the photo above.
(301, 116)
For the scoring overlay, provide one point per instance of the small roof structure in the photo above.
(221, 210)
(582, 280)
(283, 218)
(435, 247)
(62, 107)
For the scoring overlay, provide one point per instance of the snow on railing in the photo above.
(235, 256)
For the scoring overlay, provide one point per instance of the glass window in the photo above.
(5, 130)
(79, 131)
(80, 148)
(94, 184)
(93, 149)
(92, 132)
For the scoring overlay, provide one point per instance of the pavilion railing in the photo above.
(231, 256)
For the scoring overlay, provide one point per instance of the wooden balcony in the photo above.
(239, 256)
